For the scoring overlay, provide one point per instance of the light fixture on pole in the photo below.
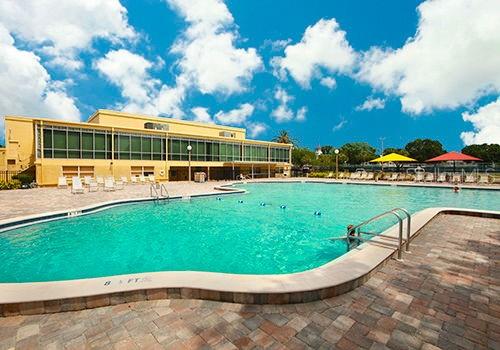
(336, 163)
(189, 149)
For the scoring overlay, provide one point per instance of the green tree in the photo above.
(357, 152)
(487, 152)
(423, 149)
(284, 137)
(401, 151)
(327, 149)
(302, 156)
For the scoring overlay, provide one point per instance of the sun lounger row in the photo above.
(418, 177)
(99, 181)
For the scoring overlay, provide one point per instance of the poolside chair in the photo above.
(441, 177)
(419, 177)
(370, 176)
(109, 184)
(142, 179)
(93, 187)
(124, 180)
(393, 177)
(456, 178)
(151, 178)
(87, 180)
(341, 175)
(363, 176)
(429, 177)
(76, 185)
(119, 184)
(100, 181)
(133, 180)
(470, 179)
(61, 182)
(353, 176)
(483, 179)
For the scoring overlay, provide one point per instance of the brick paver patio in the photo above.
(445, 294)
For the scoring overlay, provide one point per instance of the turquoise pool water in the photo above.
(207, 234)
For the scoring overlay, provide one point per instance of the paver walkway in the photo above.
(41, 200)
(445, 294)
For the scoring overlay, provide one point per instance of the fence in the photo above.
(6, 175)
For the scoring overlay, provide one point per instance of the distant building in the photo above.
(118, 144)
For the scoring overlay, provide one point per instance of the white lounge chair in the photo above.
(370, 176)
(133, 180)
(100, 181)
(456, 178)
(119, 184)
(353, 176)
(483, 179)
(87, 180)
(470, 179)
(441, 177)
(76, 185)
(124, 180)
(419, 177)
(429, 177)
(109, 184)
(142, 179)
(363, 176)
(93, 187)
(151, 178)
(62, 182)
(393, 177)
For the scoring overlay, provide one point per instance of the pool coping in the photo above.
(336, 277)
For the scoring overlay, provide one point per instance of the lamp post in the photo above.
(336, 163)
(189, 149)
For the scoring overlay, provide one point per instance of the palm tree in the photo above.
(284, 137)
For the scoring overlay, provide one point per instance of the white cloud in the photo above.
(142, 93)
(255, 129)
(339, 125)
(486, 122)
(209, 59)
(452, 60)
(26, 87)
(276, 45)
(328, 82)
(201, 115)
(61, 29)
(301, 114)
(128, 71)
(235, 116)
(323, 47)
(371, 103)
(284, 113)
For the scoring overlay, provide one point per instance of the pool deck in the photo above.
(445, 294)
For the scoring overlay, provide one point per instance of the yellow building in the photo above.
(119, 144)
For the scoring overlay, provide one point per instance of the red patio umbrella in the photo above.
(453, 156)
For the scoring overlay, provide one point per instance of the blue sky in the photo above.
(329, 72)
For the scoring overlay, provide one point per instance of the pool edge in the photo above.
(334, 278)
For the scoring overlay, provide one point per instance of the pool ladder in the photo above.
(156, 190)
(355, 233)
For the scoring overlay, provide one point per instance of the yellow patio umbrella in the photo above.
(392, 157)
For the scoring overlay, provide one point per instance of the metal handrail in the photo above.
(408, 226)
(357, 232)
(152, 187)
(163, 187)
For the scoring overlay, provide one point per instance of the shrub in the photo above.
(10, 185)
(25, 179)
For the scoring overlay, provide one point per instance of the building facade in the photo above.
(119, 144)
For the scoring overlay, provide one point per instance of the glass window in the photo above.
(59, 139)
(100, 142)
(73, 140)
(87, 141)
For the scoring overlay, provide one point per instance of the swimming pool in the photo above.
(236, 234)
